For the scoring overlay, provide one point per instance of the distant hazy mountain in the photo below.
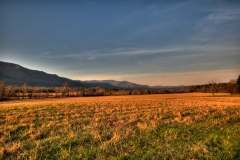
(121, 84)
(126, 84)
(14, 74)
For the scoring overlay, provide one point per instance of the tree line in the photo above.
(232, 87)
(28, 92)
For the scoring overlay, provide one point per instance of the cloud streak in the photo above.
(213, 24)
(46, 53)
(91, 55)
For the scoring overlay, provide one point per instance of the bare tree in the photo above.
(12, 92)
(100, 91)
(57, 91)
(34, 92)
(8, 90)
(24, 90)
(2, 89)
(232, 86)
(79, 92)
(232, 81)
(65, 89)
(213, 86)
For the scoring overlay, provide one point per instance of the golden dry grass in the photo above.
(177, 126)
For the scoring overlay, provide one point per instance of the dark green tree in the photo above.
(238, 84)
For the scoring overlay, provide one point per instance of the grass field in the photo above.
(173, 126)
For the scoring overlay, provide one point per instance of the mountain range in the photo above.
(14, 74)
(120, 84)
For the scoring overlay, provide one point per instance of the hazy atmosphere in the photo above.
(146, 42)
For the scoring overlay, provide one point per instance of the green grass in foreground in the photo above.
(187, 128)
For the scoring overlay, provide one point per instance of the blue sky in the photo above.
(147, 42)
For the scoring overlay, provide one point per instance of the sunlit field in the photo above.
(171, 126)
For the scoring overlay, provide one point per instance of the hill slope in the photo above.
(14, 74)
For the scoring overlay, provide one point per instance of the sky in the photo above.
(146, 42)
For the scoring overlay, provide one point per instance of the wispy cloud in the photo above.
(91, 58)
(226, 14)
(95, 54)
(213, 24)
(177, 6)
(91, 55)
(46, 53)
(61, 56)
